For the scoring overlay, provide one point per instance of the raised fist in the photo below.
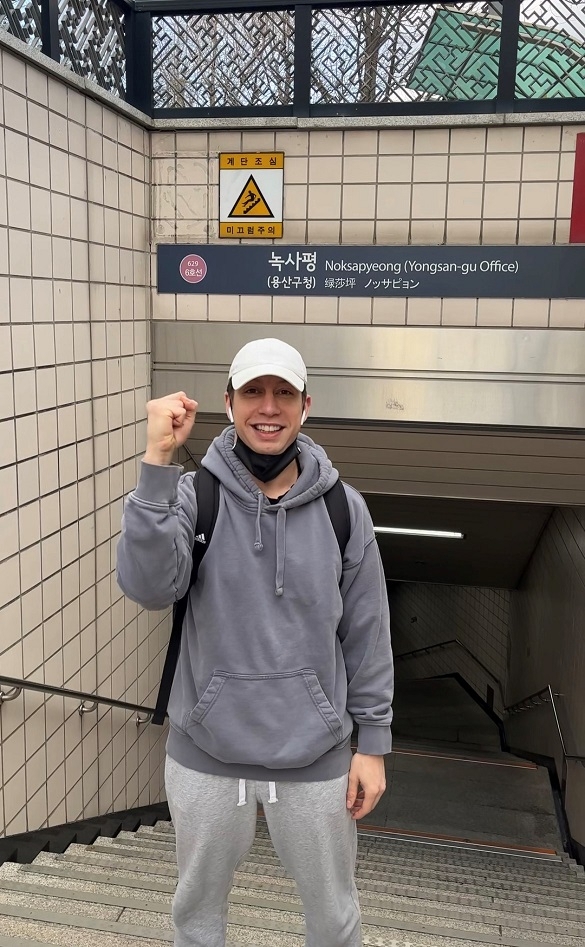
(169, 423)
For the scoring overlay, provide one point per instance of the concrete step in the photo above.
(264, 927)
(70, 895)
(424, 854)
(51, 865)
(566, 884)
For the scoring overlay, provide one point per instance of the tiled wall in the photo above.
(494, 185)
(547, 622)
(74, 377)
(424, 614)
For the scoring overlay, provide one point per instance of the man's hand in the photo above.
(369, 772)
(170, 421)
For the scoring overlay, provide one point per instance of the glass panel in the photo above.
(551, 50)
(92, 42)
(225, 60)
(411, 53)
(22, 18)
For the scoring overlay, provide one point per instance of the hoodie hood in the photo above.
(316, 477)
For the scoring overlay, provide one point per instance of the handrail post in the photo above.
(50, 29)
(508, 62)
(302, 60)
(139, 57)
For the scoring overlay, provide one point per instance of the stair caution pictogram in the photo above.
(251, 202)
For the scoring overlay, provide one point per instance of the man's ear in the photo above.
(228, 408)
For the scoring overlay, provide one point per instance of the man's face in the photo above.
(267, 413)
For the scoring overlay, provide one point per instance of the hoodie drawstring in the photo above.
(272, 797)
(258, 544)
(280, 549)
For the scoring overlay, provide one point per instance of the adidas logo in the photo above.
(200, 538)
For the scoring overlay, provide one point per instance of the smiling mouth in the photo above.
(268, 428)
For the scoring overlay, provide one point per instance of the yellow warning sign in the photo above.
(251, 159)
(251, 202)
(248, 230)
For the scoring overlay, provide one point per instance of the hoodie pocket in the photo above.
(275, 720)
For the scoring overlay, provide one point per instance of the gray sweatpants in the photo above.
(311, 830)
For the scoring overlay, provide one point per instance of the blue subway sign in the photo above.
(452, 271)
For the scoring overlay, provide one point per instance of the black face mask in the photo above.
(265, 467)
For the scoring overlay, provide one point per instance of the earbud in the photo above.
(303, 417)
(230, 414)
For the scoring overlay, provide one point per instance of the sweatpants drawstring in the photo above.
(272, 792)
(242, 794)
(272, 797)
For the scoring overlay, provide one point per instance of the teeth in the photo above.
(267, 428)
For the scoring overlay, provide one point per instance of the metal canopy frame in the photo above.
(138, 16)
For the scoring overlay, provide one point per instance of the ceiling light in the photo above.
(404, 531)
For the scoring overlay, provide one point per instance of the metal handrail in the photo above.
(17, 686)
(544, 696)
(443, 644)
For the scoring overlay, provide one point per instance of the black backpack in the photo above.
(207, 492)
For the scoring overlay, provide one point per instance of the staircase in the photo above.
(413, 891)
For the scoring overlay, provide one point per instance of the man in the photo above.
(283, 648)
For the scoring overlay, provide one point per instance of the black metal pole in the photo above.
(50, 29)
(138, 34)
(302, 74)
(509, 36)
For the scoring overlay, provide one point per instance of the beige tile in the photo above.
(358, 201)
(59, 162)
(394, 201)
(324, 170)
(36, 85)
(530, 312)
(464, 200)
(46, 388)
(540, 166)
(8, 494)
(427, 231)
(296, 170)
(323, 231)
(42, 256)
(325, 142)
(564, 199)
(360, 142)
(7, 443)
(562, 231)
(15, 111)
(23, 353)
(224, 141)
(355, 311)
(224, 308)
(503, 167)
(21, 299)
(14, 72)
(357, 231)
(468, 140)
(569, 136)
(463, 231)
(392, 231)
(191, 307)
(321, 309)
(542, 138)
(388, 311)
(18, 148)
(505, 139)
(431, 141)
(494, 312)
(466, 167)
(538, 200)
(163, 142)
(38, 121)
(29, 526)
(499, 231)
(57, 96)
(395, 168)
(60, 215)
(292, 143)
(536, 231)
(57, 130)
(256, 308)
(396, 142)
(567, 313)
(295, 202)
(501, 200)
(78, 177)
(288, 309)
(6, 396)
(193, 144)
(25, 396)
(459, 312)
(429, 200)
(567, 166)
(324, 201)
(359, 170)
(430, 168)
(423, 311)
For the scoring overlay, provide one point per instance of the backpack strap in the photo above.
(338, 509)
(207, 493)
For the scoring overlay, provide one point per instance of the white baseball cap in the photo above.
(268, 357)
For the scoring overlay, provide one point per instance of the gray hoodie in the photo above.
(276, 662)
